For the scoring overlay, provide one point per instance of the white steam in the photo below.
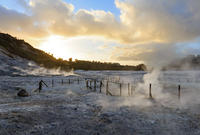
(33, 69)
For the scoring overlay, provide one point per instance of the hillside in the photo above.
(12, 47)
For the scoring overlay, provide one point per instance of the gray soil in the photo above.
(78, 112)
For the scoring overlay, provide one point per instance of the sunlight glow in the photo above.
(80, 47)
(58, 46)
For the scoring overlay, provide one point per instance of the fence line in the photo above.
(100, 84)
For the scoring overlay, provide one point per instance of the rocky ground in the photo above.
(72, 109)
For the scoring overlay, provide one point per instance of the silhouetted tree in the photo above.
(70, 59)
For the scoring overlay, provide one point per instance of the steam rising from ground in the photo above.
(152, 78)
(33, 69)
(164, 85)
(164, 88)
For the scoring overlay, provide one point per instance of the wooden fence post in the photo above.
(128, 89)
(120, 89)
(95, 83)
(150, 94)
(90, 84)
(100, 86)
(52, 82)
(107, 87)
(78, 80)
(179, 92)
(86, 81)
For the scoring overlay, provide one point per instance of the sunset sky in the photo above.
(124, 31)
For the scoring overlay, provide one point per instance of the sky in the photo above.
(106, 5)
(123, 31)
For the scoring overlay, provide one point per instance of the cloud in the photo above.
(153, 54)
(141, 21)
(161, 21)
(164, 23)
(19, 24)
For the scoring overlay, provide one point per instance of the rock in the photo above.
(23, 93)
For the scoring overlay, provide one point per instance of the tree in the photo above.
(70, 59)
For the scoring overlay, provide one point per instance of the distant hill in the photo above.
(14, 48)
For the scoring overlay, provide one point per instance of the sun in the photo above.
(58, 46)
